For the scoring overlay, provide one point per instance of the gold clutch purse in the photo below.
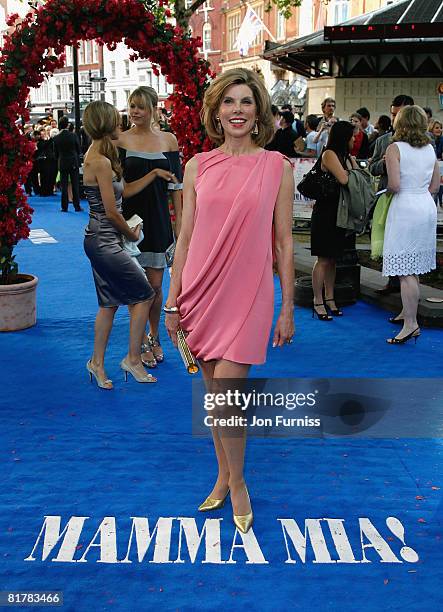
(188, 358)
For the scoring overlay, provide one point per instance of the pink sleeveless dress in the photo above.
(227, 298)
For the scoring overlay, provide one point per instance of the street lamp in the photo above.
(76, 90)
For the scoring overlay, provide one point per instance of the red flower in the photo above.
(59, 23)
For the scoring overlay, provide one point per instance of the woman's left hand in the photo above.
(284, 329)
(172, 323)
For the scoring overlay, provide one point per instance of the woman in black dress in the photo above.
(144, 148)
(327, 240)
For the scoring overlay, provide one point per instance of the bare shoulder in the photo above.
(170, 140)
(329, 155)
(191, 166)
(393, 150)
(99, 163)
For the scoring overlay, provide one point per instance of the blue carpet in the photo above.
(72, 450)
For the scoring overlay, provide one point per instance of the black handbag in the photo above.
(317, 184)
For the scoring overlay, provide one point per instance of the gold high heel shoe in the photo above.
(103, 383)
(212, 503)
(144, 378)
(243, 522)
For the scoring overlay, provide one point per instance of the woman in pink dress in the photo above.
(221, 290)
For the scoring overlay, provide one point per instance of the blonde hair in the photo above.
(148, 98)
(433, 123)
(214, 95)
(100, 120)
(410, 126)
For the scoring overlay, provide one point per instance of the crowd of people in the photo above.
(296, 138)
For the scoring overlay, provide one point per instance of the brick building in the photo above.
(207, 24)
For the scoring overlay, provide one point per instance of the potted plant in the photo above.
(17, 294)
(17, 291)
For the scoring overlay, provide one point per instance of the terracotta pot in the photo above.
(18, 304)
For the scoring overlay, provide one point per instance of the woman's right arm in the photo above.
(331, 162)
(131, 189)
(434, 187)
(182, 247)
(393, 167)
(103, 173)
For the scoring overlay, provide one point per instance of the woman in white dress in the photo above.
(411, 226)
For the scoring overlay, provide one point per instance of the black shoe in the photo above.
(334, 311)
(414, 334)
(321, 317)
(395, 321)
(388, 290)
(63, 210)
(79, 209)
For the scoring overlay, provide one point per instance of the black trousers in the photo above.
(65, 175)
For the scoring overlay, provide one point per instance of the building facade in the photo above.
(207, 24)
(370, 59)
(311, 16)
(123, 76)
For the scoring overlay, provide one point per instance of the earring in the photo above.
(255, 130)
(219, 127)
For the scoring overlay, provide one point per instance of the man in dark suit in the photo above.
(377, 167)
(284, 137)
(68, 152)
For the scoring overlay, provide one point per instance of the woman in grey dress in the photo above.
(119, 280)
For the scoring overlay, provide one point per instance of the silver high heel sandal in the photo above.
(155, 343)
(141, 378)
(103, 383)
(150, 363)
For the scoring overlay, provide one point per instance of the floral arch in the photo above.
(36, 48)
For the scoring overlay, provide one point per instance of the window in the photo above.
(81, 53)
(112, 64)
(71, 91)
(281, 25)
(340, 11)
(207, 37)
(127, 94)
(114, 97)
(68, 53)
(127, 72)
(233, 28)
(58, 89)
(94, 52)
(149, 78)
(305, 18)
(88, 46)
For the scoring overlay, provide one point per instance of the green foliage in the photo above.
(8, 265)
(284, 6)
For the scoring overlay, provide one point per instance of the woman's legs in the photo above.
(155, 278)
(323, 275)
(222, 483)
(410, 295)
(102, 330)
(233, 441)
(331, 269)
(138, 318)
